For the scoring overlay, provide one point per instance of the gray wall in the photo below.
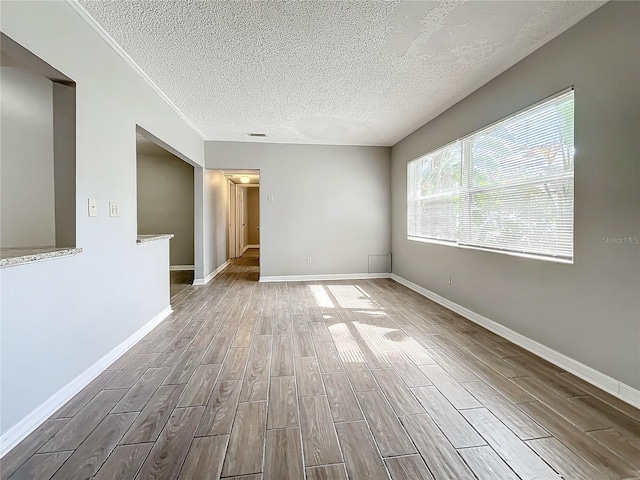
(90, 303)
(64, 153)
(253, 214)
(589, 311)
(330, 203)
(166, 202)
(212, 199)
(231, 232)
(216, 206)
(27, 200)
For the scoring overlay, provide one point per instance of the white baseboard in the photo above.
(179, 268)
(616, 388)
(208, 278)
(28, 424)
(331, 276)
(251, 246)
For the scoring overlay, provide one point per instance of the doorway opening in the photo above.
(165, 205)
(243, 230)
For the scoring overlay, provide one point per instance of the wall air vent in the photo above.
(257, 134)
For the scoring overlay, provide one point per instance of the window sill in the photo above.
(503, 252)
(11, 257)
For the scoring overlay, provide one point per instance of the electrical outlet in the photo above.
(308, 259)
(449, 280)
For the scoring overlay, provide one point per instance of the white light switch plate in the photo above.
(93, 207)
(114, 209)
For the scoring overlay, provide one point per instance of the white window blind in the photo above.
(434, 194)
(507, 187)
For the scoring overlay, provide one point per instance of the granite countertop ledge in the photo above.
(154, 237)
(10, 257)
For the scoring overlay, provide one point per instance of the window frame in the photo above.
(466, 190)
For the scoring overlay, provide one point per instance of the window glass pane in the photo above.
(509, 189)
(533, 144)
(438, 219)
(433, 194)
(536, 219)
(439, 172)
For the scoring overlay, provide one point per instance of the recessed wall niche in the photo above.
(37, 152)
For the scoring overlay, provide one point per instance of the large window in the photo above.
(507, 187)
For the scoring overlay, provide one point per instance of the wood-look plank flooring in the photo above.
(328, 380)
(179, 280)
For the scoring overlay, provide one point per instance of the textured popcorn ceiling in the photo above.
(333, 72)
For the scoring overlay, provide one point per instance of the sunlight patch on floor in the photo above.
(349, 296)
(345, 343)
(321, 296)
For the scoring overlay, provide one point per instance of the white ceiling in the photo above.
(331, 72)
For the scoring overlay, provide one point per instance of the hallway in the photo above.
(181, 280)
(361, 378)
